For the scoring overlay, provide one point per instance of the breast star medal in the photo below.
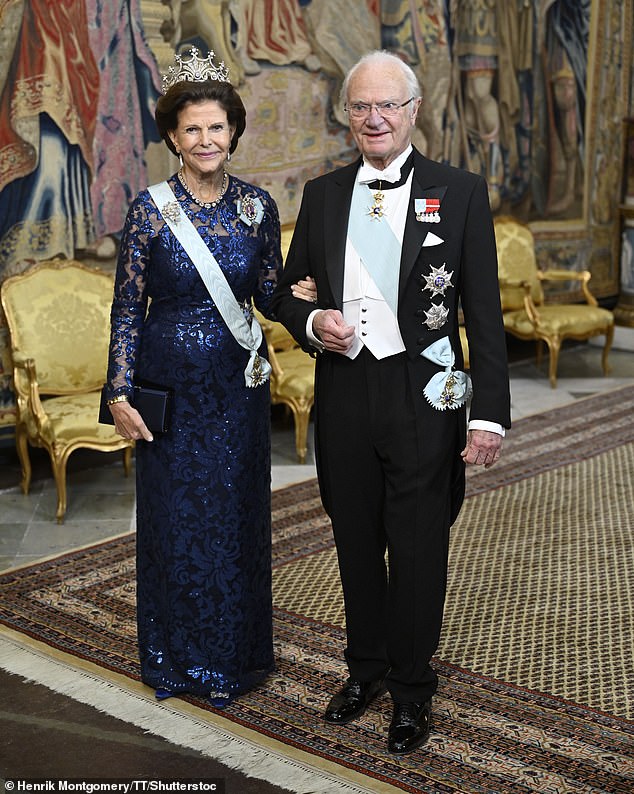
(438, 281)
(436, 316)
(377, 210)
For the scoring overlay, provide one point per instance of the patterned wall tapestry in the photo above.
(530, 93)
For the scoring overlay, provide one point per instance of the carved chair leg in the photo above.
(554, 345)
(59, 473)
(609, 336)
(127, 460)
(22, 448)
(301, 414)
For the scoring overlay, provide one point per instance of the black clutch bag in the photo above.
(152, 402)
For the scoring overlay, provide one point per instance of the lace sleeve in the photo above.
(271, 261)
(130, 299)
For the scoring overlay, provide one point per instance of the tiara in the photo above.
(195, 69)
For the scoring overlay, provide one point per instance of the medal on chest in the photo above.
(427, 210)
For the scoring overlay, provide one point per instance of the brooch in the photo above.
(438, 281)
(427, 210)
(250, 210)
(171, 211)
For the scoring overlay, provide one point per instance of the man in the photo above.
(391, 266)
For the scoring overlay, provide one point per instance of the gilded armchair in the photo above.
(292, 379)
(58, 314)
(292, 370)
(526, 314)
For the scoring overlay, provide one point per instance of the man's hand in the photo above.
(483, 448)
(331, 328)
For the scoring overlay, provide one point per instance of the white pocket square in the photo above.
(432, 239)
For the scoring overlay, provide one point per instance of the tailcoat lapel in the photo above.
(416, 231)
(338, 196)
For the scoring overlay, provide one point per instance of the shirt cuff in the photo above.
(483, 424)
(310, 334)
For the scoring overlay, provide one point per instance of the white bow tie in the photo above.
(368, 173)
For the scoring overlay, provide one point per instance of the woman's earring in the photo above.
(180, 158)
(229, 157)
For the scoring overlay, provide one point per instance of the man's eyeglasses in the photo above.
(359, 110)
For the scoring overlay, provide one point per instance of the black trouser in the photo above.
(385, 466)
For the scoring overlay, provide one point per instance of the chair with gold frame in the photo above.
(292, 379)
(526, 314)
(465, 345)
(292, 370)
(58, 313)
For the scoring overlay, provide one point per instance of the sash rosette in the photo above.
(450, 389)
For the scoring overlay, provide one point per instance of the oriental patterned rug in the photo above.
(535, 662)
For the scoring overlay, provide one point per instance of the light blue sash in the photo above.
(376, 244)
(249, 336)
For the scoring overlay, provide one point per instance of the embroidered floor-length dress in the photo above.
(203, 488)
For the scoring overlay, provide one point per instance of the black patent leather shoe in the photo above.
(352, 700)
(409, 727)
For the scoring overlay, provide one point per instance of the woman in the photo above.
(203, 487)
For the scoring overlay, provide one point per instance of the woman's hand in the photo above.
(306, 289)
(128, 422)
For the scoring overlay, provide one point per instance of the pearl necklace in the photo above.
(208, 205)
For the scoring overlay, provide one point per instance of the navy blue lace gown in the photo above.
(203, 488)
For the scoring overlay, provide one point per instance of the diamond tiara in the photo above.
(194, 69)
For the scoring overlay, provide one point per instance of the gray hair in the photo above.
(378, 57)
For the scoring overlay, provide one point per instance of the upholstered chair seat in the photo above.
(565, 321)
(72, 416)
(58, 313)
